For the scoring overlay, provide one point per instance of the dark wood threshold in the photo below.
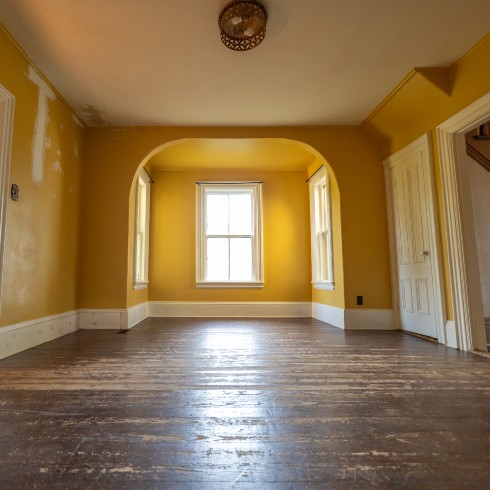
(423, 337)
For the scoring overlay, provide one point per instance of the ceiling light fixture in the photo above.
(242, 24)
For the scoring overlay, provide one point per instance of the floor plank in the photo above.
(216, 403)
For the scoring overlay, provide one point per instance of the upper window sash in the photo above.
(142, 229)
(321, 236)
(204, 189)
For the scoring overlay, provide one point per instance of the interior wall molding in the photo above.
(462, 258)
(137, 314)
(22, 336)
(104, 319)
(229, 309)
(451, 337)
(355, 319)
(328, 314)
(7, 105)
(25, 335)
(369, 319)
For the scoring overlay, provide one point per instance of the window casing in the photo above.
(141, 231)
(321, 231)
(229, 235)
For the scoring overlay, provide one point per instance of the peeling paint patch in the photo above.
(57, 167)
(93, 116)
(39, 140)
(77, 120)
(125, 469)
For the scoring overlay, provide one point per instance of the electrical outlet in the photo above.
(360, 301)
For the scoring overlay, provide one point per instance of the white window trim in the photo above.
(316, 182)
(257, 256)
(142, 284)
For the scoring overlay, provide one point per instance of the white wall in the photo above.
(480, 192)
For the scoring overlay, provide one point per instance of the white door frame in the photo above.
(422, 145)
(7, 103)
(468, 329)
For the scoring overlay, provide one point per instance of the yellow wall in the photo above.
(56, 260)
(287, 267)
(113, 156)
(40, 273)
(420, 104)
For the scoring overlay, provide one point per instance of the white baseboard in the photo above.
(451, 337)
(369, 319)
(354, 319)
(104, 319)
(137, 314)
(22, 336)
(228, 309)
(328, 314)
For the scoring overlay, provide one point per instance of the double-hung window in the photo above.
(229, 234)
(141, 231)
(321, 231)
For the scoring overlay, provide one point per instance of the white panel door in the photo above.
(410, 213)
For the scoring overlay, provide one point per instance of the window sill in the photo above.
(327, 286)
(140, 285)
(230, 285)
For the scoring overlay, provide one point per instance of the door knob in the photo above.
(425, 253)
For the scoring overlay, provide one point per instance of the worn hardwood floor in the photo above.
(215, 404)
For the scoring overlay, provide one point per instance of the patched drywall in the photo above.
(41, 254)
(40, 140)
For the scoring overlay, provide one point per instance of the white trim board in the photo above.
(210, 309)
(137, 314)
(103, 319)
(22, 336)
(369, 319)
(354, 319)
(328, 314)
(7, 105)
(469, 333)
(451, 338)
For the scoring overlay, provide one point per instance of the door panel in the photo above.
(411, 223)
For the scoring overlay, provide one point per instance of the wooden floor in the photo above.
(248, 404)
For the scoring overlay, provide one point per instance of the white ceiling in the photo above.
(161, 62)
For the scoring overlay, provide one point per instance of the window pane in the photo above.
(139, 260)
(241, 214)
(216, 214)
(141, 212)
(325, 274)
(217, 259)
(240, 259)
(323, 207)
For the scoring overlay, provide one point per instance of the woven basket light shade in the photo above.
(242, 24)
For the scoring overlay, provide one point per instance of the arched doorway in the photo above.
(284, 166)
